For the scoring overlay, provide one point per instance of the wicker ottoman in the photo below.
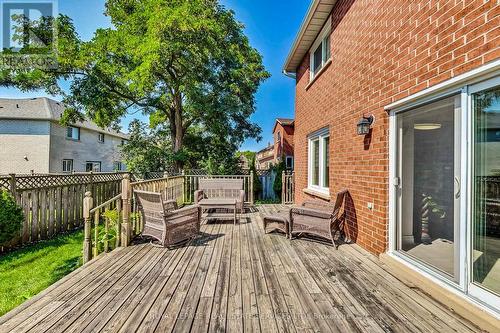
(279, 221)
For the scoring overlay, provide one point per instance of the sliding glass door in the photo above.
(428, 185)
(446, 169)
(485, 256)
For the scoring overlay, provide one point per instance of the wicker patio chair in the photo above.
(164, 222)
(319, 219)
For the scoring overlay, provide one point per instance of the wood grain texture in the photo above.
(234, 278)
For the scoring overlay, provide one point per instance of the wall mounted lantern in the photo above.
(365, 124)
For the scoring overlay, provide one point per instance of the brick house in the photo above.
(425, 76)
(283, 141)
(265, 158)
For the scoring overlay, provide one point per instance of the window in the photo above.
(73, 133)
(117, 166)
(318, 158)
(93, 166)
(101, 137)
(320, 52)
(289, 162)
(67, 166)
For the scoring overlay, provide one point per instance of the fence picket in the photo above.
(34, 215)
(53, 204)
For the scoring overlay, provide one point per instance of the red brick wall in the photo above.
(383, 51)
(286, 142)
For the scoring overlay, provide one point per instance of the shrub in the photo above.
(257, 184)
(278, 181)
(11, 217)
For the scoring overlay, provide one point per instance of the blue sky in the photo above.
(271, 27)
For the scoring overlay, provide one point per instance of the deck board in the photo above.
(234, 278)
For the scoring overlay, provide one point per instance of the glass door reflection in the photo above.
(486, 212)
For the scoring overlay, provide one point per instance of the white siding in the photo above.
(24, 146)
(87, 149)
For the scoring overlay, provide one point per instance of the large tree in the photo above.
(185, 63)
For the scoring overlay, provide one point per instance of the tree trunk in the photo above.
(177, 130)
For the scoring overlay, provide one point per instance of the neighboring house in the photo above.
(32, 140)
(282, 148)
(265, 158)
(244, 163)
(399, 102)
(283, 141)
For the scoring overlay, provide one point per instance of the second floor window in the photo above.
(101, 137)
(320, 51)
(73, 133)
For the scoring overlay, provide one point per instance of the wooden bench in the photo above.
(220, 193)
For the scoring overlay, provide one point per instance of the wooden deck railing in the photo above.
(288, 188)
(117, 220)
(106, 220)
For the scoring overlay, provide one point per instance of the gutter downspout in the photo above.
(290, 75)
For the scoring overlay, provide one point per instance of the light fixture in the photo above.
(427, 126)
(364, 125)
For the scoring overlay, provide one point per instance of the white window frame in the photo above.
(73, 130)
(320, 135)
(94, 164)
(117, 166)
(65, 165)
(100, 137)
(289, 158)
(325, 55)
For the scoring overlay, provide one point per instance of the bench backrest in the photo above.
(221, 187)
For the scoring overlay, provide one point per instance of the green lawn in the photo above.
(27, 271)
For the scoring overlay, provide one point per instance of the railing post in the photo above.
(251, 187)
(88, 203)
(183, 187)
(91, 181)
(12, 182)
(283, 187)
(125, 230)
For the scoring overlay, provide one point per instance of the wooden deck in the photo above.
(234, 278)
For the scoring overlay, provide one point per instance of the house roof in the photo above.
(44, 108)
(283, 122)
(315, 19)
(269, 147)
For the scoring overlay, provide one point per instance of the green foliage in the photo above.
(278, 181)
(113, 218)
(11, 217)
(185, 63)
(257, 184)
(147, 150)
(433, 206)
(249, 155)
(29, 270)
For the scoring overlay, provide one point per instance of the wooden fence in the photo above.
(288, 188)
(53, 204)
